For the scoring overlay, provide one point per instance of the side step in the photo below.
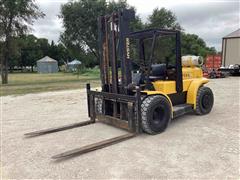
(94, 146)
(61, 128)
(181, 109)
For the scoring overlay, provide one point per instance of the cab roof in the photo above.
(148, 33)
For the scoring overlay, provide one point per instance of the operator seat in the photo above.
(158, 72)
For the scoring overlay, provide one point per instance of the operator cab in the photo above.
(155, 55)
(158, 72)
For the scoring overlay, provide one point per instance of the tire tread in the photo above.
(144, 109)
(201, 91)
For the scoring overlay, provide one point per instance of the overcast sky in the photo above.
(210, 19)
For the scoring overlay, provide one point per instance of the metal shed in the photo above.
(231, 49)
(73, 65)
(47, 65)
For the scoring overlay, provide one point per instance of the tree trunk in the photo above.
(4, 71)
(4, 65)
(6, 51)
(11, 68)
(32, 68)
(5, 59)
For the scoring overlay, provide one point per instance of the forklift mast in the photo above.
(112, 32)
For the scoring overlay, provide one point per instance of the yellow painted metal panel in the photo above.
(167, 87)
(192, 80)
(191, 72)
(160, 93)
(193, 89)
(186, 84)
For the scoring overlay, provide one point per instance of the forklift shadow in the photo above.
(181, 119)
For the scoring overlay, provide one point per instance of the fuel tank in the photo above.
(190, 61)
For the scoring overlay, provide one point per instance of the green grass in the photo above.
(23, 83)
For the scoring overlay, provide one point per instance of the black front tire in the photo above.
(204, 101)
(156, 114)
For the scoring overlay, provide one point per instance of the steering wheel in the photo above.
(141, 65)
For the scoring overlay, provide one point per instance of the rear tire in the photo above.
(156, 114)
(205, 100)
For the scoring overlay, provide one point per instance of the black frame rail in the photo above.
(132, 122)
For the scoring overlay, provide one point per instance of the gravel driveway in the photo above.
(192, 147)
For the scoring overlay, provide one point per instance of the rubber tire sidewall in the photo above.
(200, 110)
(147, 107)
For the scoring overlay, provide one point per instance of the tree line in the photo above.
(79, 39)
(27, 49)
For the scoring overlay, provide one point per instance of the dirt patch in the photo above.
(192, 146)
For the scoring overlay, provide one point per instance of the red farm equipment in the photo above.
(211, 67)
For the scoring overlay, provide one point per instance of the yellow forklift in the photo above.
(139, 92)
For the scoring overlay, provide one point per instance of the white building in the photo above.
(73, 65)
(47, 65)
(231, 49)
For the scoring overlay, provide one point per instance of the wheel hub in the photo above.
(206, 101)
(158, 115)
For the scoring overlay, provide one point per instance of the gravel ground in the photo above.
(192, 147)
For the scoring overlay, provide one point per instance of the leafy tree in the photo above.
(33, 49)
(163, 18)
(27, 49)
(191, 43)
(43, 45)
(30, 50)
(15, 18)
(80, 23)
(58, 52)
(52, 51)
(15, 54)
(86, 57)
